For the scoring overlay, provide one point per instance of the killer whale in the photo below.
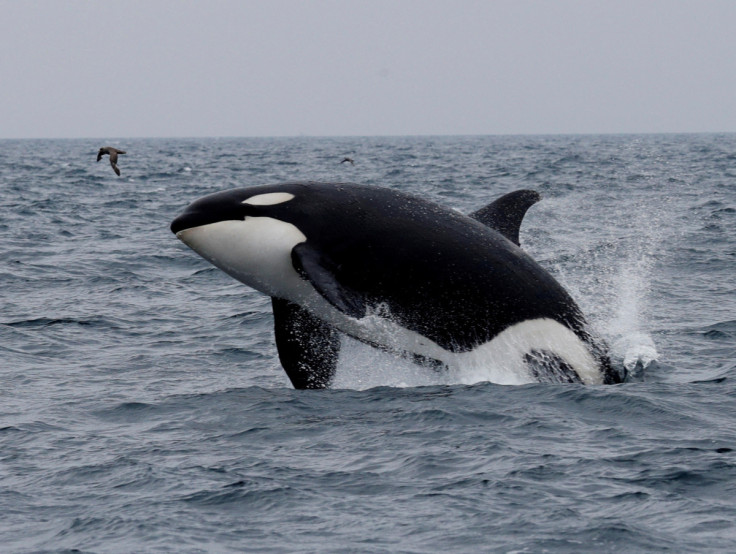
(397, 272)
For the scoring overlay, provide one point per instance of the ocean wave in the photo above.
(144, 407)
(721, 330)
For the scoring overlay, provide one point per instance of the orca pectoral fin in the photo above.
(308, 347)
(505, 213)
(320, 272)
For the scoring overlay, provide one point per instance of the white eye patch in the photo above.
(269, 199)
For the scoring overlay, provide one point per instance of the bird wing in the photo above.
(115, 168)
(113, 157)
(99, 155)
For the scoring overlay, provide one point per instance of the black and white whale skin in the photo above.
(400, 273)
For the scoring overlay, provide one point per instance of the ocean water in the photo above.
(143, 408)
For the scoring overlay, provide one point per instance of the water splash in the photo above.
(631, 344)
(611, 279)
(363, 367)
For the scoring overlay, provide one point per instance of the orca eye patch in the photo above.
(268, 199)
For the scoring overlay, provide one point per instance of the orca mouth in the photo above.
(230, 205)
(194, 217)
(221, 206)
(187, 220)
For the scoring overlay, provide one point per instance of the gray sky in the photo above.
(171, 68)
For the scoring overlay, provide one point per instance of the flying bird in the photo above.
(346, 159)
(113, 152)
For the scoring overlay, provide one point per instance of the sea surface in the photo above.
(143, 408)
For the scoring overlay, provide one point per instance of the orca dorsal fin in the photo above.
(505, 214)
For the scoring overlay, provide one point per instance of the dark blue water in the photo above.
(142, 406)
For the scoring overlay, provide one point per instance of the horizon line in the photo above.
(387, 135)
